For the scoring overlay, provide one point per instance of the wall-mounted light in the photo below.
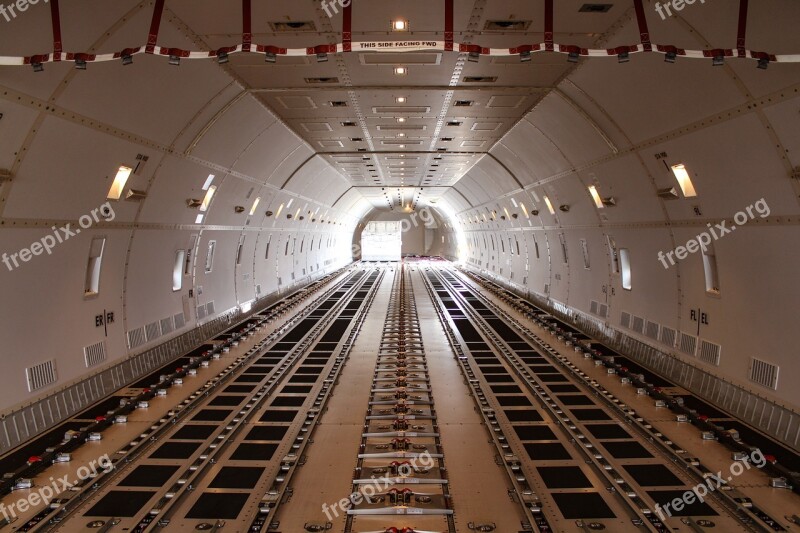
(118, 185)
(684, 180)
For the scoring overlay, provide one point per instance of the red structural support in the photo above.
(548, 25)
(247, 25)
(55, 15)
(448, 25)
(347, 27)
(742, 28)
(641, 19)
(155, 24)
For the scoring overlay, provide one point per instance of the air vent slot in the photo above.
(764, 373)
(180, 320)
(328, 81)
(348, 124)
(201, 311)
(595, 8)
(153, 331)
(625, 320)
(167, 325)
(507, 25)
(463, 103)
(94, 354)
(688, 344)
(210, 308)
(651, 330)
(668, 336)
(290, 27)
(480, 79)
(593, 307)
(136, 338)
(709, 352)
(603, 310)
(638, 324)
(41, 375)
(338, 103)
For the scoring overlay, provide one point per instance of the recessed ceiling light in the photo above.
(400, 25)
(402, 146)
(400, 99)
(401, 134)
(401, 119)
(400, 71)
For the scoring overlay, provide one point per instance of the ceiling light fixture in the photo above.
(400, 71)
(401, 119)
(400, 99)
(399, 25)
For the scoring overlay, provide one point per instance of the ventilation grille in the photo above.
(94, 354)
(180, 320)
(651, 330)
(764, 373)
(167, 325)
(603, 310)
(709, 352)
(136, 338)
(668, 336)
(153, 331)
(201, 312)
(41, 375)
(209, 308)
(688, 344)
(593, 307)
(625, 319)
(638, 324)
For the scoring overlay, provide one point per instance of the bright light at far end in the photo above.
(596, 197)
(400, 99)
(209, 195)
(684, 180)
(400, 25)
(400, 71)
(255, 205)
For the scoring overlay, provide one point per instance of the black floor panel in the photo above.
(223, 400)
(249, 378)
(547, 451)
(563, 388)
(240, 388)
(288, 401)
(608, 431)
(267, 433)
(576, 399)
(218, 506)
(627, 450)
(212, 415)
(563, 477)
(278, 416)
(194, 432)
(535, 433)
(254, 452)
(149, 476)
(175, 450)
(514, 401)
(296, 389)
(652, 475)
(590, 414)
(501, 389)
(100, 409)
(237, 477)
(523, 415)
(582, 505)
(121, 503)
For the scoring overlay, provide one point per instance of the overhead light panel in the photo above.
(684, 180)
(549, 205)
(198, 219)
(117, 186)
(399, 25)
(207, 184)
(401, 119)
(207, 199)
(400, 71)
(400, 99)
(598, 201)
(255, 205)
